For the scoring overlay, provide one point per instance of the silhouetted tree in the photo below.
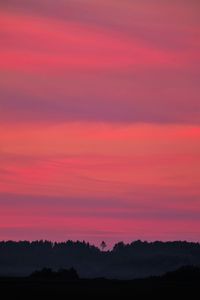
(103, 245)
(119, 246)
(47, 273)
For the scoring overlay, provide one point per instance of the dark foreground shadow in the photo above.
(65, 284)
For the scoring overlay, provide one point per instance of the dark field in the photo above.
(184, 282)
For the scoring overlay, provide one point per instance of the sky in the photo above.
(100, 120)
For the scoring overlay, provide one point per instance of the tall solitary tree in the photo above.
(103, 245)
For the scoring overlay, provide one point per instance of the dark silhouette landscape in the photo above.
(46, 283)
(125, 261)
(70, 268)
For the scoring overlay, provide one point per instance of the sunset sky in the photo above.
(100, 120)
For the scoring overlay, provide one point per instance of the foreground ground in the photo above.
(174, 284)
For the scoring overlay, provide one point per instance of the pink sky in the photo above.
(100, 120)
